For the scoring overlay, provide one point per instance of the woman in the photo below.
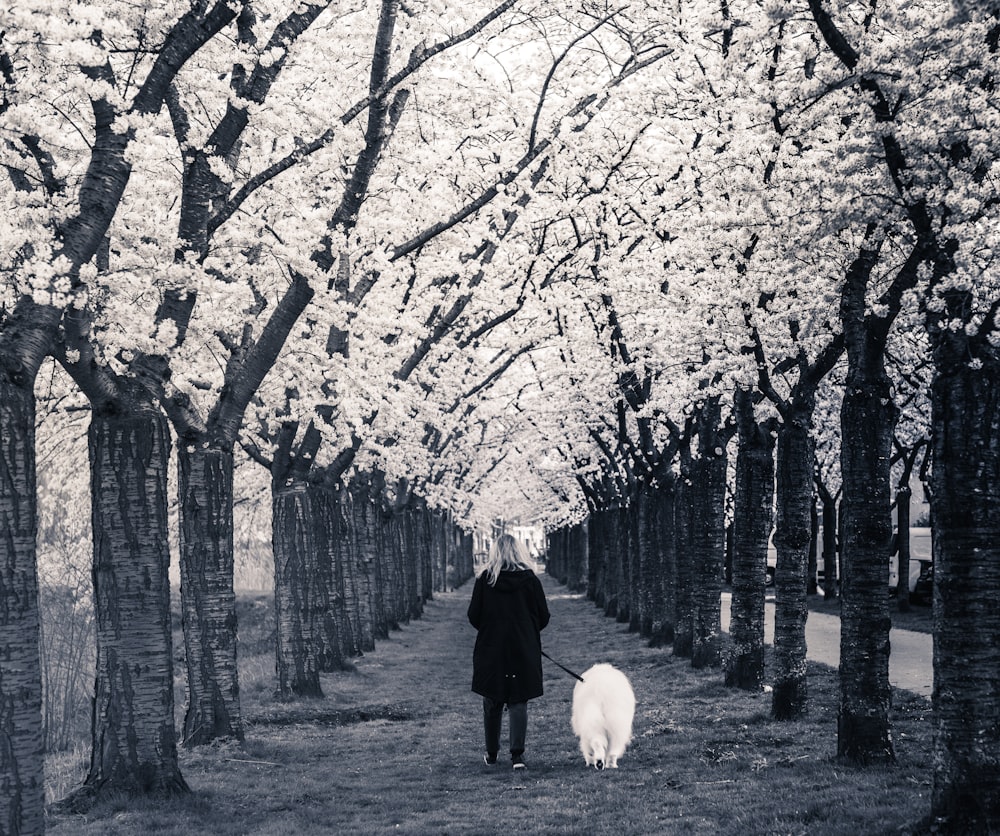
(509, 610)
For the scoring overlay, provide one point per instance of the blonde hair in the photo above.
(506, 553)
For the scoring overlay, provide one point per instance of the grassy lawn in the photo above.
(395, 747)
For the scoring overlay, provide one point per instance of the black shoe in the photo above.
(517, 761)
(490, 758)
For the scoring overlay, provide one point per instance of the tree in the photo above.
(867, 419)
(66, 244)
(960, 321)
(793, 529)
(708, 531)
(752, 521)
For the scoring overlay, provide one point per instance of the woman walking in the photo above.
(509, 610)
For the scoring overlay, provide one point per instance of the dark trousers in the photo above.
(493, 717)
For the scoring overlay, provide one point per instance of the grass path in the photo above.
(396, 746)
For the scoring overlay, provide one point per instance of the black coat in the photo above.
(507, 661)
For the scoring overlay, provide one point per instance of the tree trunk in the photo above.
(329, 621)
(134, 740)
(903, 548)
(598, 554)
(208, 602)
(437, 568)
(411, 562)
(867, 417)
(556, 564)
(395, 589)
(795, 454)
(579, 557)
(831, 557)
(813, 559)
(568, 551)
(646, 576)
(615, 546)
(684, 626)
(663, 581)
(423, 552)
(966, 517)
(346, 565)
(293, 528)
(593, 555)
(727, 573)
(753, 518)
(709, 537)
(629, 549)
(21, 775)
(369, 592)
(865, 695)
(559, 553)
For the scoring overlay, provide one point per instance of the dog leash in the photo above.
(554, 662)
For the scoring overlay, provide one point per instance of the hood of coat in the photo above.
(508, 581)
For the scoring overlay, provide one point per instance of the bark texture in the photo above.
(296, 664)
(664, 580)
(752, 521)
(795, 454)
(134, 740)
(966, 514)
(684, 576)
(366, 559)
(867, 419)
(708, 537)
(22, 794)
(646, 580)
(208, 602)
(863, 733)
(329, 628)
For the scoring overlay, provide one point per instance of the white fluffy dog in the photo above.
(603, 707)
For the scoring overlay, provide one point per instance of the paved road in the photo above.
(910, 660)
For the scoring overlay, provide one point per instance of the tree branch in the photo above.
(417, 60)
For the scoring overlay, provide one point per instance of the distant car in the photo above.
(772, 557)
(924, 589)
(921, 563)
(921, 577)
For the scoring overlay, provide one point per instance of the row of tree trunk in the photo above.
(640, 562)
(652, 557)
(348, 568)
